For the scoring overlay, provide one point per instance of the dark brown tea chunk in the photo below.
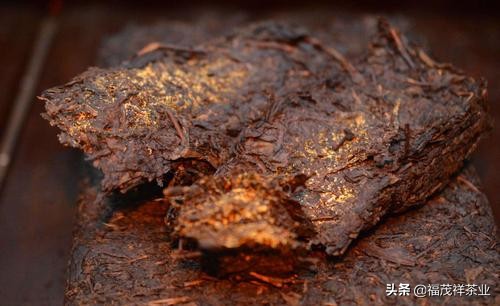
(243, 222)
(121, 255)
(374, 134)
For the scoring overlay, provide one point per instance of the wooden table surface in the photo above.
(37, 201)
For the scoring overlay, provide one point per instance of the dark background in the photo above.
(37, 202)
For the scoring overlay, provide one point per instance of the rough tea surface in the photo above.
(373, 134)
(121, 255)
